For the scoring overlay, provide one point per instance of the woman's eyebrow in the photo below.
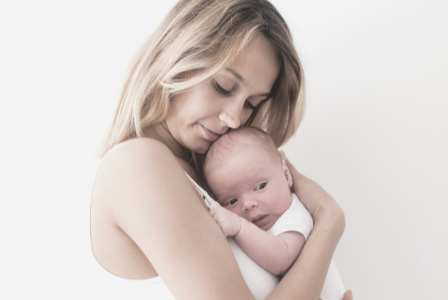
(242, 80)
(237, 75)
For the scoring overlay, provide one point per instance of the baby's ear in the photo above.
(287, 173)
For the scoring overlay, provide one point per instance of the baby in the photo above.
(252, 183)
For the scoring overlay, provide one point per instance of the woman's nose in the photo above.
(231, 115)
(249, 204)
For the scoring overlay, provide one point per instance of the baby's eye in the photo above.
(231, 202)
(260, 186)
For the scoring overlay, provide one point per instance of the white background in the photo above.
(375, 135)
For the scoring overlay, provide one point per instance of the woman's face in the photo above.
(197, 117)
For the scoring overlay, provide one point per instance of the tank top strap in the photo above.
(209, 201)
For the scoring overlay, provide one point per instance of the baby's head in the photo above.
(248, 177)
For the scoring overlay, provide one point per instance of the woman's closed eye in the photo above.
(221, 90)
(260, 186)
(249, 105)
(225, 92)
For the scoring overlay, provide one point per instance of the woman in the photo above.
(210, 66)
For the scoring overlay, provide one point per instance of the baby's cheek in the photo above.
(283, 204)
(236, 211)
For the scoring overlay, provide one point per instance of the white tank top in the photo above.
(260, 282)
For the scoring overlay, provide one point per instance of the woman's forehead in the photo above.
(257, 64)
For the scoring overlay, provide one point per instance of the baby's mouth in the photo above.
(259, 220)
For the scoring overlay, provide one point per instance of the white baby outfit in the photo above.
(297, 218)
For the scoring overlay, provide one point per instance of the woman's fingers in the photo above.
(294, 173)
(348, 295)
(316, 200)
(283, 154)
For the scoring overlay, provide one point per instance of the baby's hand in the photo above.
(229, 222)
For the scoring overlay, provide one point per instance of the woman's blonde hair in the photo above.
(206, 36)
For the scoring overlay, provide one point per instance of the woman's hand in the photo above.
(318, 202)
(348, 295)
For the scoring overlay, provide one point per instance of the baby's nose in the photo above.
(249, 204)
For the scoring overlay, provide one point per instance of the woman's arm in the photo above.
(150, 198)
(274, 253)
(306, 277)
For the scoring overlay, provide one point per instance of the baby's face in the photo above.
(253, 183)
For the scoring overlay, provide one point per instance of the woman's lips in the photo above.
(261, 220)
(210, 134)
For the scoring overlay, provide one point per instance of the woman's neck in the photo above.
(161, 133)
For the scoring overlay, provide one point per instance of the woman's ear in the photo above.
(287, 173)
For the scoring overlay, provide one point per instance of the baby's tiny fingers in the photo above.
(213, 211)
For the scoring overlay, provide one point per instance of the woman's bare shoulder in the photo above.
(141, 148)
(146, 149)
(132, 167)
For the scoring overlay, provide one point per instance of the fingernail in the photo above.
(283, 154)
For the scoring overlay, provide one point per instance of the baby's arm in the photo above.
(274, 253)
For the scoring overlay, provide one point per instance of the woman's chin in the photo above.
(201, 149)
